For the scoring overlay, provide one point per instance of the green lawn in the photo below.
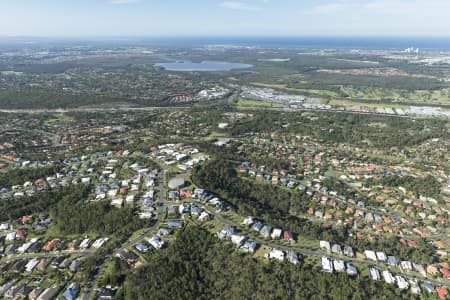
(365, 104)
(54, 233)
(423, 97)
(296, 90)
(216, 134)
(11, 73)
(254, 103)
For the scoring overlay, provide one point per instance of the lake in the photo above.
(204, 66)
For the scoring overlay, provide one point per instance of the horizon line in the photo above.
(220, 36)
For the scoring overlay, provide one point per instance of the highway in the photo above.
(229, 100)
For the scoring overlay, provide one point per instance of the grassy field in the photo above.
(53, 232)
(216, 134)
(254, 103)
(296, 90)
(270, 85)
(371, 105)
(423, 97)
(59, 118)
(11, 73)
(418, 96)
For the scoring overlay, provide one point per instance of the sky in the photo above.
(90, 18)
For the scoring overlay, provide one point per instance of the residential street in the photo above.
(91, 284)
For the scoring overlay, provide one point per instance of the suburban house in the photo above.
(401, 282)
(257, 227)
(388, 278)
(277, 254)
(265, 231)
(288, 236)
(370, 255)
(72, 292)
(249, 247)
(375, 274)
(276, 233)
(339, 265)
(351, 270)
(327, 264)
(292, 256)
(392, 261)
(348, 251)
(336, 249)
(325, 245)
(238, 240)
(156, 242)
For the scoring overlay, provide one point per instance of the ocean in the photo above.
(372, 43)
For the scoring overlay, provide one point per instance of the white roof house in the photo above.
(99, 243)
(349, 251)
(339, 265)
(117, 202)
(327, 264)
(24, 247)
(10, 236)
(204, 216)
(150, 182)
(85, 244)
(156, 242)
(370, 255)
(401, 282)
(277, 254)
(184, 208)
(406, 265)
(238, 239)
(351, 270)
(145, 215)
(248, 221)
(375, 274)
(381, 256)
(336, 249)
(325, 245)
(276, 233)
(112, 193)
(388, 277)
(31, 265)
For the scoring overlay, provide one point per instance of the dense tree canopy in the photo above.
(19, 176)
(275, 205)
(347, 128)
(198, 266)
(427, 186)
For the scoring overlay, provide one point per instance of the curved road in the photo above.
(91, 283)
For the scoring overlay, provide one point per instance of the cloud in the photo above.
(124, 1)
(234, 5)
(383, 7)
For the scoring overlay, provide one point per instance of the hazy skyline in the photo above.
(59, 18)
